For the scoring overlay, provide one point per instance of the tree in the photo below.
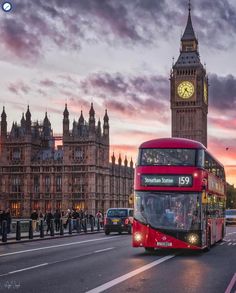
(231, 196)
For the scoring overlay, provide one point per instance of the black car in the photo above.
(118, 220)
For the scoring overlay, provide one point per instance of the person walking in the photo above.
(57, 218)
(8, 219)
(74, 217)
(34, 217)
(47, 218)
(68, 217)
(100, 218)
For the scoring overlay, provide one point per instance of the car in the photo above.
(118, 220)
(230, 216)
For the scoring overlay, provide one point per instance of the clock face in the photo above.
(205, 92)
(185, 89)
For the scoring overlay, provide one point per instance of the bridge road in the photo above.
(98, 263)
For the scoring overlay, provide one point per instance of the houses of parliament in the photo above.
(37, 174)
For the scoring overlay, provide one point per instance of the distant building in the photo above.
(35, 174)
(189, 90)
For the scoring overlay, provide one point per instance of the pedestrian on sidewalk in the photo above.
(34, 217)
(57, 218)
(68, 217)
(74, 217)
(47, 218)
(99, 218)
(8, 219)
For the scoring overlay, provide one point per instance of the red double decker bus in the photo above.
(179, 196)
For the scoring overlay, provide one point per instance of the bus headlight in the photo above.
(193, 238)
(137, 237)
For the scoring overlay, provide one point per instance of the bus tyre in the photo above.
(107, 232)
(149, 249)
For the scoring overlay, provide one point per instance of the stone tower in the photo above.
(189, 90)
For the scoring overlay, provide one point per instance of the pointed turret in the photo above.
(91, 119)
(119, 160)
(28, 121)
(99, 130)
(3, 115)
(46, 126)
(131, 163)
(66, 112)
(113, 159)
(3, 123)
(66, 122)
(28, 114)
(106, 124)
(22, 122)
(81, 118)
(46, 121)
(126, 161)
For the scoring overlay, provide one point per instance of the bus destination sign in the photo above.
(166, 180)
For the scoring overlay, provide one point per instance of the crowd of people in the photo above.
(37, 216)
(58, 215)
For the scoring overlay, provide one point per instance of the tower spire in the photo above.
(189, 34)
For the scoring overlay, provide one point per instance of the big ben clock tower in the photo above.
(189, 90)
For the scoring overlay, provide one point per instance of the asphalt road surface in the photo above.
(99, 263)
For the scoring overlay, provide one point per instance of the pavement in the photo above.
(11, 237)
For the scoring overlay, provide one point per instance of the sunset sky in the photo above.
(118, 55)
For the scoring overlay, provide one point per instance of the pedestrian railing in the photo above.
(28, 230)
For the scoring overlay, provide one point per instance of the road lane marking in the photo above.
(231, 233)
(58, 261)
(105, 249)
(24, 269)
(222, 243)
(230, 243)
(59, 245)
(129, 275)
(231, 284)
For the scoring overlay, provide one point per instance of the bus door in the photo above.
(204, 221)
(212, 218)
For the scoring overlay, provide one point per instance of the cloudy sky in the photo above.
(118, 55)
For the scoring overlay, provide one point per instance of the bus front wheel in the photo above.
(149, 249)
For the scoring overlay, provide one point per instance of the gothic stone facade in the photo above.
(35, 174)
(189, 90)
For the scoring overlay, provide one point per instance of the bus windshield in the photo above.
(178, 211)
(163, 157)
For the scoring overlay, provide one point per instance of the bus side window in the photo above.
(200, 158)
